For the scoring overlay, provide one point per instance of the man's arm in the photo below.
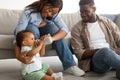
(78, 44)
(116, 50)
(88, 53)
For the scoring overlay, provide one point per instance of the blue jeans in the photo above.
(104, 60)
(60, 46)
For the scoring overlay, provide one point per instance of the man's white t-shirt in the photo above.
(97, 37)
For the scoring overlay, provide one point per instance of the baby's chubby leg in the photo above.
(50, 75)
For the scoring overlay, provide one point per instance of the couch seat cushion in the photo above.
(6, 41)
(117, 20)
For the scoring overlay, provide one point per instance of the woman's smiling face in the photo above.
(49, 11)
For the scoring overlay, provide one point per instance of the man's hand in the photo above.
(116, 50)
(89, 53)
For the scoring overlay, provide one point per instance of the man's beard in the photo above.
(92, 18)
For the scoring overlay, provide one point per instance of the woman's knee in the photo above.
(34, 30)
(49, 28)
(52, 28)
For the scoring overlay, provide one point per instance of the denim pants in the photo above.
(60, 46)
(104, 60)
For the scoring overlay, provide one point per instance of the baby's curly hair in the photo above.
(20, 37)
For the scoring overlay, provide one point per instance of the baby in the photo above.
(30, 47)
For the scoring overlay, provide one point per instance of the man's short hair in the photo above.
(83, 2)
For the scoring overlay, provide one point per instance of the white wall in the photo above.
(14, 4)
(103, 6)
(108, 6)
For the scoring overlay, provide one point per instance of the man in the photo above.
(95, 40)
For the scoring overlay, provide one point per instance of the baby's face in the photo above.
(29, 39)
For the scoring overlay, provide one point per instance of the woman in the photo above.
(41, 17)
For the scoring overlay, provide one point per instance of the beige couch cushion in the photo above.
(71, 19)
(6, 41)
(8, 20)
(117, 20)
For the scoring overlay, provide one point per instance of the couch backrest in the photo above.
(117, 20)
(8, 20)
(71, 19)
(114, 17)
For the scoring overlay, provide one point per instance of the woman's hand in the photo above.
(24, 58)
(37, 42)
(42, 38)
(46, 39)
(21, 56)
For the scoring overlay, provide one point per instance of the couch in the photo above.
(8, 22)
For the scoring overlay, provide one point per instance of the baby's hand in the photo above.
(47, 39)
(37, 42)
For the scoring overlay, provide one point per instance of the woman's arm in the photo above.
(39, 46)
(63, 29)
(36, 49)
(23, 21)
(22, 24)
(20, 56)
(59, 35)
(42, 51)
